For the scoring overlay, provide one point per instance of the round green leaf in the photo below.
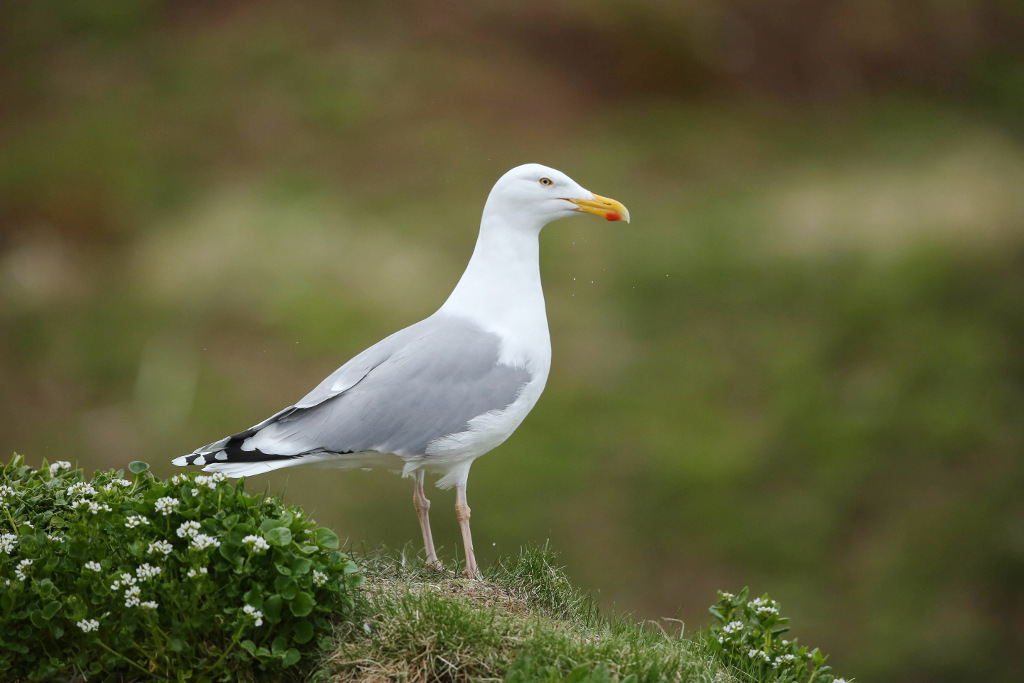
(326, 537)
(290, 657)
(302, 604)
(138, 467)
(279, 536)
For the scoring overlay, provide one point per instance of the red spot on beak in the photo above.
(613, 216)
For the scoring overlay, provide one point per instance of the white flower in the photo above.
(56, 538)
(254, 613)
(5, 491)
(211, 481)
(93, 506)
(81, 489)
(728, 596)
(22, 566)
(166, 505)
(88, 625)
(147, 571)
(319, 578)
(117, 482)
(192, 573)
(131, 596)
(149, 604)
(126, 580)
(763, 607)
(58, 466)
(732, 627)
(95, 566)
(195, 492)
(7, 542)
(202, 541)
(29, 524)
(259, 544)
(159, 547)
(135, 520)
(188, 529)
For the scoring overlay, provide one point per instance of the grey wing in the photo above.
(425, 382)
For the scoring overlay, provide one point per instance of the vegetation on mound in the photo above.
(195, 579)
(149, 579)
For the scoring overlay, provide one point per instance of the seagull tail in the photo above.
(227, 456)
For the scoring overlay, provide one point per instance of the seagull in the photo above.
(435, 396)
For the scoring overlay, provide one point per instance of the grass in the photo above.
(525, 622)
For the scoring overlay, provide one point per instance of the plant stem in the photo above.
(227, 650)
(118, 654)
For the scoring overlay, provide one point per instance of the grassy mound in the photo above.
(526, 622)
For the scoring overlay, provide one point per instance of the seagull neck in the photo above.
(501, 284)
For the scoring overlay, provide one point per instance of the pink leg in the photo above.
(462, 512)
(419, 499)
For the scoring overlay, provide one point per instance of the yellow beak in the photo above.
(608, 209)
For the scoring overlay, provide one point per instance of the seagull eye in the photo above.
(546, 181)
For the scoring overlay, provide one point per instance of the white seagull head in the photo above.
(535, 195)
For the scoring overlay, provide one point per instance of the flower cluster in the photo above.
(94, 566)
(119, 482)
(20, 569)
(135, 520)
(58, 466)
(7, 542)
(764, 606)
(188, 529)
(147, 571)
(193, 573)
(159, 547)
(211, 481)
(259, 544)
(93, 506)
(6, 491)
(319, 578)
(202, 541)
(88, 625)
(166, 505)
(730, 629)
(254, 613)
(81, 489)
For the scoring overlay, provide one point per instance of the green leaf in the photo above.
(326, 537)
(180, 644)
(292, 656)
(230, 521)
(37, 618)
(272, 607)
(279, 536)
(301, 566)
(248, 646)
(302, 604)
(303, 632)
(50, 609)
(138, 467)
(279, 645)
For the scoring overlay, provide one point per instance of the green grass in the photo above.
(524, 622)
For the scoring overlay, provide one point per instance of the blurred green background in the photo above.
(801, 368)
